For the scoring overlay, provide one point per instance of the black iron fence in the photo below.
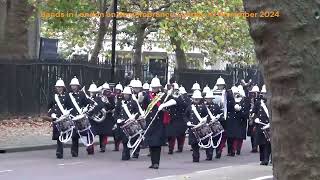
(27, 86)
(232, 75)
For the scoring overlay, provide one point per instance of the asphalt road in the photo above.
(42, 165)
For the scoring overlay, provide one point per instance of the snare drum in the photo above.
(64, 123)
(81, 122)
(132, 128)
(142, 122)
(216, 128)
(201, 131)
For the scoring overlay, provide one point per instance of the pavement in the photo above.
(32, 143)
(42, 164)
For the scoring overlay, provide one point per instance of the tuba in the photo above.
(98, 116)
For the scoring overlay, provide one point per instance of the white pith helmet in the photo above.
(197, 94)
(60, 83)
(93, 88)
(182, 90)
(220, 81)
(264, 89)
(155, 82)
(146, 86)
(127, 90)
(255, 89)
(209, 94)
(206, 89)
(119, 87)
(196, 86)
(74, 81)
(136, 84)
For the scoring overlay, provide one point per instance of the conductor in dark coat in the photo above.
(155, 136)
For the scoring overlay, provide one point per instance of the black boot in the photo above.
(59, 156)
(238, 152)
(170, 151)
(209, 159)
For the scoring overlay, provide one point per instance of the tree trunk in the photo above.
(137, 57)
(181, 59)
(14, 29)
(102, 31)
(288, 49)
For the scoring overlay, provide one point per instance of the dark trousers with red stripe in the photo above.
(234, 145)
(172, 141)
(222, 143)
(103, 141)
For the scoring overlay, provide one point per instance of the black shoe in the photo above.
(195, 160)
(74, 154)
(179, 151)
(264, 163)
(231, 154)
(254, 150)
(170, 152)
(102, 150)
(238, 152)
(218, 155)
(136, 156)
(115, 150)
(209, 159)
(59, 156)
(125, 158)
(154, 166)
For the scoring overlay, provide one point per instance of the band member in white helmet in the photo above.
(116, 129)
(216, 111)
(196, 86)
(99, 121)
(177, 126)
(110, 122)
(195, 113)
(77, 101)
(155, 102)
(122, 115)
(236, 121)
(219, 92)
(254, 97)
(57, 107)
(262, 125)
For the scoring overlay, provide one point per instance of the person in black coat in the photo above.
(253, 95)
(236, 123)
(121, 116)
(261, 114)
(55, 112)
(102, 104)
(216, 110)
(77, 101)
(116, 129)
(177, 127)
(192, 119)
(155, 137)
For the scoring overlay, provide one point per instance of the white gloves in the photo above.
(266, 126)
(161, 107)
(119, 121)
(189, 123)
(54, 116)
(140, 97)
(114, 127)
(237, 107)
(85, 109)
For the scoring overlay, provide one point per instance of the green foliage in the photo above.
(222, 38)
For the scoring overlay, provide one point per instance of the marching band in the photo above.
(151, 116)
